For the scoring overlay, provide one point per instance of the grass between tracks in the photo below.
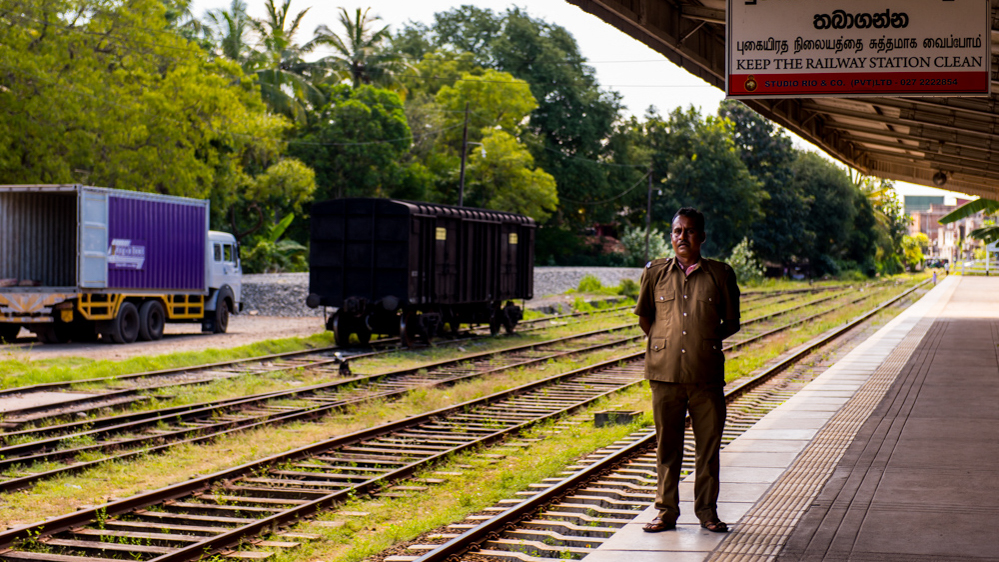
(16, 369)
(99, 485)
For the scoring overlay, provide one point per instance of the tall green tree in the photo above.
(503, 177)
(832, 213)
(113, 96)
(286, 79)
(356, 144)
(362, 53)
(698, 156)
(567, 131)
(782, 234)
(229, 29)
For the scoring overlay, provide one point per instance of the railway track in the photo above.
(570, 517)
(126, 390)
(213, 514)
(156, 431)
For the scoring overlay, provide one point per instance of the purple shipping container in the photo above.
(103, 240)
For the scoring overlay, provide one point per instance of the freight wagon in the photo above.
(81, 263)
(415, 269)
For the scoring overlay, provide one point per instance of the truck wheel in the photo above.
(84, 331)
(56, 332)
(125, 326)
(152, 319)
(8, 332)
(221, 317)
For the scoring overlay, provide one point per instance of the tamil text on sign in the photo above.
(806, 48)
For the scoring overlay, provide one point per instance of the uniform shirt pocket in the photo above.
(664, 297)
(657, 344)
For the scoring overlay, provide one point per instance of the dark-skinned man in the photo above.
(687, 306)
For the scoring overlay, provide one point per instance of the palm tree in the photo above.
(285, 78)
(231, 27)
(361, 52)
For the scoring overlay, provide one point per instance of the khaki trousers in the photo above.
(670, 403)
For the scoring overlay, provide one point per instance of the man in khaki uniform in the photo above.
(686, 306)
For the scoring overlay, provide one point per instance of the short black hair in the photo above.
(692, 214)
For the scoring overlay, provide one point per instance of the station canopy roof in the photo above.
(900, 138)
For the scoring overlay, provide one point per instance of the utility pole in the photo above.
(648, 218)
(464, 146)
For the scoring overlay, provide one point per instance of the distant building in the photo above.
(919, 203)
(948, 241)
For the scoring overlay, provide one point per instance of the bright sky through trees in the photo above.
(642, 76)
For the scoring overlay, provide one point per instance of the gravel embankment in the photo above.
(283, 294)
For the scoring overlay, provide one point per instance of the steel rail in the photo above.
(63, 385)
(116, 419)
(204, 434)
(63, 429)
(44, 531)
(41, 451)
(67, 522)
(100, 400)
(482, 532)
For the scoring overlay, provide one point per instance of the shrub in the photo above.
(747, 266)
(634, 241)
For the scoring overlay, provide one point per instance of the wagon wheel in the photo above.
(408, 328)
(337, 325)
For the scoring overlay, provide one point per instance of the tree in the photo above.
(574, 117)
(698, 157)
(501, 178)
(286, 79)
(166, 119)
(229, 29)
(495, 100)
(832, 213)
(362, 54)
(892, 222)
(912, 249)
(356, 143)
(782, 234)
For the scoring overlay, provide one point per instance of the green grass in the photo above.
(17, 370)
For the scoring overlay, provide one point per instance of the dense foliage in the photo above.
(261, 120)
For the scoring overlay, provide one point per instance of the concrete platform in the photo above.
(891, 454)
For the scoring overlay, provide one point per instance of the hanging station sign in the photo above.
(848, 48)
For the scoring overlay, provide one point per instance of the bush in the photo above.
(634, 241)
(589, 284)
(628, 288)
(747, 266)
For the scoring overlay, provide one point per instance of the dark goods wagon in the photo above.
(417, 269)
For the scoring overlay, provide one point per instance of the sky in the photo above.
(642, 76)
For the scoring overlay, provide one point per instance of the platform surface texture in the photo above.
(891, 454)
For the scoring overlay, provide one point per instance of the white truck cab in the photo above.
(225, 280)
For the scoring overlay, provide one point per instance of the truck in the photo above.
(82, 263)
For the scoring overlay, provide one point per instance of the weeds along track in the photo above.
(32, 455)
(28, 455)
(570, 516)
(216, 513)
(125, 390)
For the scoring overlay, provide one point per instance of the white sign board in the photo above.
(847, 48)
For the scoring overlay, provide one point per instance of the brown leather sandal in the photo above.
(657, 525)
(715, 526)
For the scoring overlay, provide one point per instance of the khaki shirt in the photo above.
(687, 314)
